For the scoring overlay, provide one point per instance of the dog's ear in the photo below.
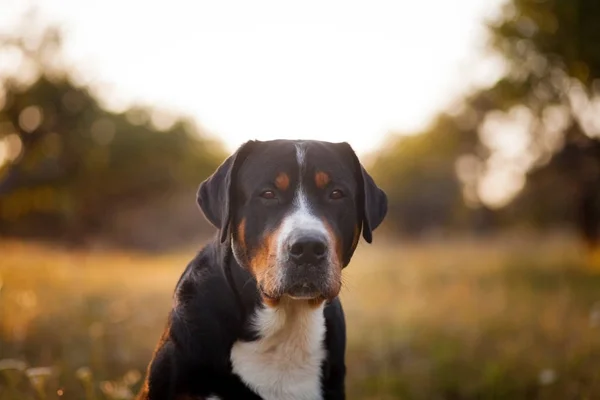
(372, 201)
(375, 205)
(215, 195)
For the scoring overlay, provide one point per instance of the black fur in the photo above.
(216, 296)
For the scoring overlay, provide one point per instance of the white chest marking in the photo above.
(285, 363)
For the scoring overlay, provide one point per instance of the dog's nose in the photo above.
(308, 250)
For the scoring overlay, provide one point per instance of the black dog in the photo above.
(256, 314)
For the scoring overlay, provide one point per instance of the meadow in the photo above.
(495, 318)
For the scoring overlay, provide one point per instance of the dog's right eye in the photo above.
(268, 194)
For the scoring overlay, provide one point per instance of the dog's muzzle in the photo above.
(307, 268)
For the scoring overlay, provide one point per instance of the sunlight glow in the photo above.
(507, 136)
(336, 70)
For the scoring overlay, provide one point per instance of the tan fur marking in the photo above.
(282, 182)
(322, 179)
(270, 302)
(316, 303)
(337, 264)
(339, 251)
(262, 266)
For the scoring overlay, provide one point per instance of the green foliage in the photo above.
(71, 162)
(552, 51)
(564, 34)
(418, 173)
(552, 57)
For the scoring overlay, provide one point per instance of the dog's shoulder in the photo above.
(205, 319)
(203, 269)
(192, 357)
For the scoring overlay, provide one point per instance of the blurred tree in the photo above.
(551, 88)
(427, 177)
(66, 163)
(553, 68)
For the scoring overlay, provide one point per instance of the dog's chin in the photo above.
(315, 296)
(300, 292)
(300, 287)
(303, 291)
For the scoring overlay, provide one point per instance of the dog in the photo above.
(256, 313)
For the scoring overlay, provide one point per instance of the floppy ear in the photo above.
(371, 199)
(215, 195)
(375, 205)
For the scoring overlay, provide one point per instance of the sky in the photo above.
(266, 69)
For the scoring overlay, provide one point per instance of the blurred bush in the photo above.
(72, 170)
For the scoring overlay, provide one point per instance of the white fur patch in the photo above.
(285, 363)
(300, 219)
(300, 153)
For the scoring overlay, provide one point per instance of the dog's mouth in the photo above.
(303, 291)
(304, 282)
(298, 291)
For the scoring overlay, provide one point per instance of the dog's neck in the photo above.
(280, 350)
(284, 362)
(287, 318)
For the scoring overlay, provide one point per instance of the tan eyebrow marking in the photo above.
(322, 179)
(282, 182)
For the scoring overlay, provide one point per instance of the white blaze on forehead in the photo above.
(300, 221)
(300, 218)
(300, 154)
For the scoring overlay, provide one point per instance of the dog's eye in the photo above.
(268, 194)
(336, 194)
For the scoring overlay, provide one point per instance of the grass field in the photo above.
(487, 319)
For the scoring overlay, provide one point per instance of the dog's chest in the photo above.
(285, 363)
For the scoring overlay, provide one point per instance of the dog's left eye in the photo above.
(268, 194)
(336, 194)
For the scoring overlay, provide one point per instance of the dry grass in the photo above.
(489, 319)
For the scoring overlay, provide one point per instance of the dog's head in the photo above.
(293, 212)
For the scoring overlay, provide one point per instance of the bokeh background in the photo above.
(481, 121)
